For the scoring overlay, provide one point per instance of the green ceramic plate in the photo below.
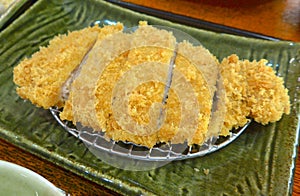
(259, 162)
(17, 8)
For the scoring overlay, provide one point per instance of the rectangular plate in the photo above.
(259, 162)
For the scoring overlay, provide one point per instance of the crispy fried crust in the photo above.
(235, 84)
(41, 77)
(174, 128)
(142, 50)
(252, 91)
(67, 113)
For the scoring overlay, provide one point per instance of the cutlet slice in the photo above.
(235, 84)
(83, 87)
(267, 97)
(200, 69)
(67, 113)
(135, 77)
(252, 91)
(41, 77)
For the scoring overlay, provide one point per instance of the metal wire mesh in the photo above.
(161, 152)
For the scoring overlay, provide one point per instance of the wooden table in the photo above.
(275, 18)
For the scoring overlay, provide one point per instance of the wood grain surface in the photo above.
(63, 179)
(275, 18)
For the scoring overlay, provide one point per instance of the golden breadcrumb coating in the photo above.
(202, 71)
(143, 50)
(235, 84)
(268, 99)
(67, 113)
(202, 91)
(252, 91)
(139, 103)
(83, 87)
(41, 77)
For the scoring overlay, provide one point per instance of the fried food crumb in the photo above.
(205, 171)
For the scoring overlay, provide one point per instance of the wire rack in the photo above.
(162, 152)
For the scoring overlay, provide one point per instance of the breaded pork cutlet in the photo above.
(95, 89)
